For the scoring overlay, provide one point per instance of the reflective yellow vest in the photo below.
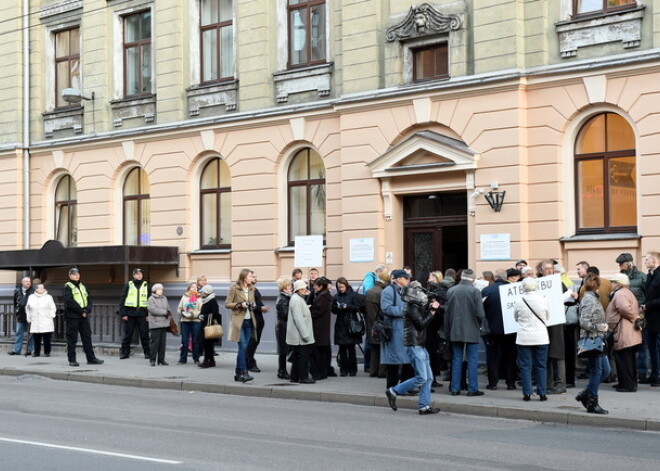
(79, 293)
(132, 296)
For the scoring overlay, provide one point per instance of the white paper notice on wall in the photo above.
(361, 250)
(495, 246)
(308, 251)
(549, 288)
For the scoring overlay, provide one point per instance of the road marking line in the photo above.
(89, 450)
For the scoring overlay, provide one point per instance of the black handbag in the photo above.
(381, 331)
(591, 347)
(356, 325)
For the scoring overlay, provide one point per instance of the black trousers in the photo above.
(398, 373)
(157, 344)
(626, 367)
(501, 355)
(129, 327)
(320, 361)
(571, 334)
(300, 362)
(254, 343)
(74, 326)
(46, 336)
(347, 359)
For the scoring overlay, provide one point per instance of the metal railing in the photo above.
(104, 322)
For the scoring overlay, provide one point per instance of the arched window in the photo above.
(66, 225)
(136, 208)
(605, 170)
(215, 205)
(306, 193)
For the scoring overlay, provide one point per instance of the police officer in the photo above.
(133, 311)
(78, 307)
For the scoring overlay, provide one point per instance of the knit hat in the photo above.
(299, 284)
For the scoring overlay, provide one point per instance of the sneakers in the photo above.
(428, 410)
(391, 398)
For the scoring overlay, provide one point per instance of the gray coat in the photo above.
(464, 314)
(159, 311)
(299, 328)
(393, 352)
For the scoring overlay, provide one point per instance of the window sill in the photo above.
(623, 26)
(210, 251)
(303, 79)
(132, 108)
(601, 237)
(208, 98)
(62, 120)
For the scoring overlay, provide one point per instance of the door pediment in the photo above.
(422, 153)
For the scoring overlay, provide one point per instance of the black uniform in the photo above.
(137, 317)
(76, 323)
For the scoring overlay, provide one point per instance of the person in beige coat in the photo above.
(240, 299)
(40, 310)
(300, 333)
(622, 312)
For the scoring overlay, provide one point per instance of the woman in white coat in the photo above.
(531, 314)
(40, 310)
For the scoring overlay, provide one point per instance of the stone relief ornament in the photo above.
(423, 20)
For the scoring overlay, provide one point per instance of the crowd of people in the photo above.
(412, 330)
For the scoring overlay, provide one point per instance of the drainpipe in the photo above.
(26, 124)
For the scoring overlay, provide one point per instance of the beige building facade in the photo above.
(376, 120)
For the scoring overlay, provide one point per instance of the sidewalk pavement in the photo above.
(637, 411)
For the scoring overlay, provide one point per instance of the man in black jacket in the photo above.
(78, 306)
(416, 316)
(133, 312)
(652, 309)
(501, 350)
(21, 296)
(258, 311)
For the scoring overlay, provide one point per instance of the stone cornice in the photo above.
(60, 7)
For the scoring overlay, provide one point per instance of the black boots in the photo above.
(282, 374)
(243, 376)
(593, 407)
(583, 397)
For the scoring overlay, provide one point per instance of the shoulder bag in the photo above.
(591, 347)
(356, 325)
(573, 314)
(212, 330)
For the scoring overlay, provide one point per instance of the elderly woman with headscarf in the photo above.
(531, 312)
(621, 314)
(300, 334)
(158, 311)
(208, 314)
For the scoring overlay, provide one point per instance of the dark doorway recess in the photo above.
(435, 232)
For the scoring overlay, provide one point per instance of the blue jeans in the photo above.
(472, 356)
(533, 357)
(654, 352)
(419, 359)
(21, 329)
(243, 342)
(189, 329)
(600, 370)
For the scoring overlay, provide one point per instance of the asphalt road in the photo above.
(59, 425)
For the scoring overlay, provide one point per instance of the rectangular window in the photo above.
(601, 6)
(430, 63)
(306, 28)
(217, 39)
(137, 54)
(67, 63)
